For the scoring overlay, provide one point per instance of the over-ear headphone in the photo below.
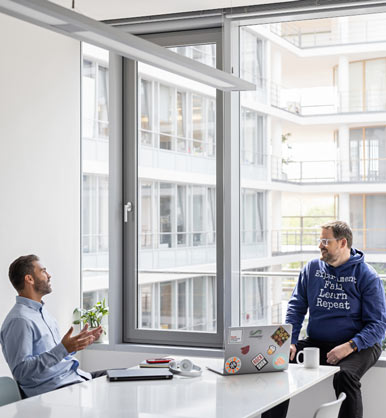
(185, 368)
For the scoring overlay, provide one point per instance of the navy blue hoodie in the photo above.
(345, 302)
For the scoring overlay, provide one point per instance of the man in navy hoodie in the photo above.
(347, 314)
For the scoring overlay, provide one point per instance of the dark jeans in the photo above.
(347, 380)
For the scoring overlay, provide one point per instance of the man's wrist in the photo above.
(353, 346)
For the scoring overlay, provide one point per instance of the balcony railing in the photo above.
(329, 171)
(296, 240)
(326, 100)
(181, 144)
(355, 30)
(95, 243)
(168, 240)
(95, 129)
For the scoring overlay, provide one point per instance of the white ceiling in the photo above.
(115, 9)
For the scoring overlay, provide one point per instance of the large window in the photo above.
(367, 85)
(95, 192)
(177, 253)
(208, 175)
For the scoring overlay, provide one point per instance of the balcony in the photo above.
(371, 170)
(326, 100)
(332, 32)
(303, 240)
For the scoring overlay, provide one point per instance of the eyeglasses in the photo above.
(325, 241)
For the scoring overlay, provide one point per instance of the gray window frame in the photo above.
(132, 334)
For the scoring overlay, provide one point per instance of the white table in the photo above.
(208, 396)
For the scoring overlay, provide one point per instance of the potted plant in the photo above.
(93, 317)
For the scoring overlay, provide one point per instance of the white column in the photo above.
(344, 207)
(276, 72)
(343, 84)
(344, 154)
(268, 70)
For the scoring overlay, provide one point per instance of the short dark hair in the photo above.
(20, 268)
(340, 230)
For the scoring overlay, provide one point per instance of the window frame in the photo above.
(132, 334)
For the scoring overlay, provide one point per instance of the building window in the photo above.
(368, 154)
(368, 222)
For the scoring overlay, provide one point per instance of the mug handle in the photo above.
(297, 357)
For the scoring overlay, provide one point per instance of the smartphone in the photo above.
(159, 360)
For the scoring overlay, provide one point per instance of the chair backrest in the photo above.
(9, 392)
(331, 409)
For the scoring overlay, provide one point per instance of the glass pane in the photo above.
(177, 213)
(181, 215)
(182, 305)
(88, 98)
(181, 122)
(146, 212)
(166, 118)
(198, 124)
(198, 216)
(356, 87)
(146, 113)
(146, 301)
(166, 305)
(356, 154)
(375, 222)
(375, 81)
(166, 210)
(103, 101)
(95, 157)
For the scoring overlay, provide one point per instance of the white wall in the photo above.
(39, 161)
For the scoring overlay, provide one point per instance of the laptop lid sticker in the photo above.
(236, 336)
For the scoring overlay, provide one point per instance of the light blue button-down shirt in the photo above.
(33, 349)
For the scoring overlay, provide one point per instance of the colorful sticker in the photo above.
(232, 365)
(271, 350)
(256, 333)
(259, 361)
(280, 336)
(235, 336)
(279, 362)
(245, 350)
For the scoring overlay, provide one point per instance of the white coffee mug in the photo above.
(310, 357)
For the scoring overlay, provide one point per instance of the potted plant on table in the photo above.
(93, 317)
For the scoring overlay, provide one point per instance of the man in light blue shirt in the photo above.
(40, 360)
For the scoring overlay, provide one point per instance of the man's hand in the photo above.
(80, 341)
(338, 353)
(292, 351)
(97, 332)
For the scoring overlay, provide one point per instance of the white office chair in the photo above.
(9, 392)
(330, 409)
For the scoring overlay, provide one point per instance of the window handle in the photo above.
(127, 208)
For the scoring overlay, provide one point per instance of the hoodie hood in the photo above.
(356, 257)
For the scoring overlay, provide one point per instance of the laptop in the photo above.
(123, 375)
(256, 349)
